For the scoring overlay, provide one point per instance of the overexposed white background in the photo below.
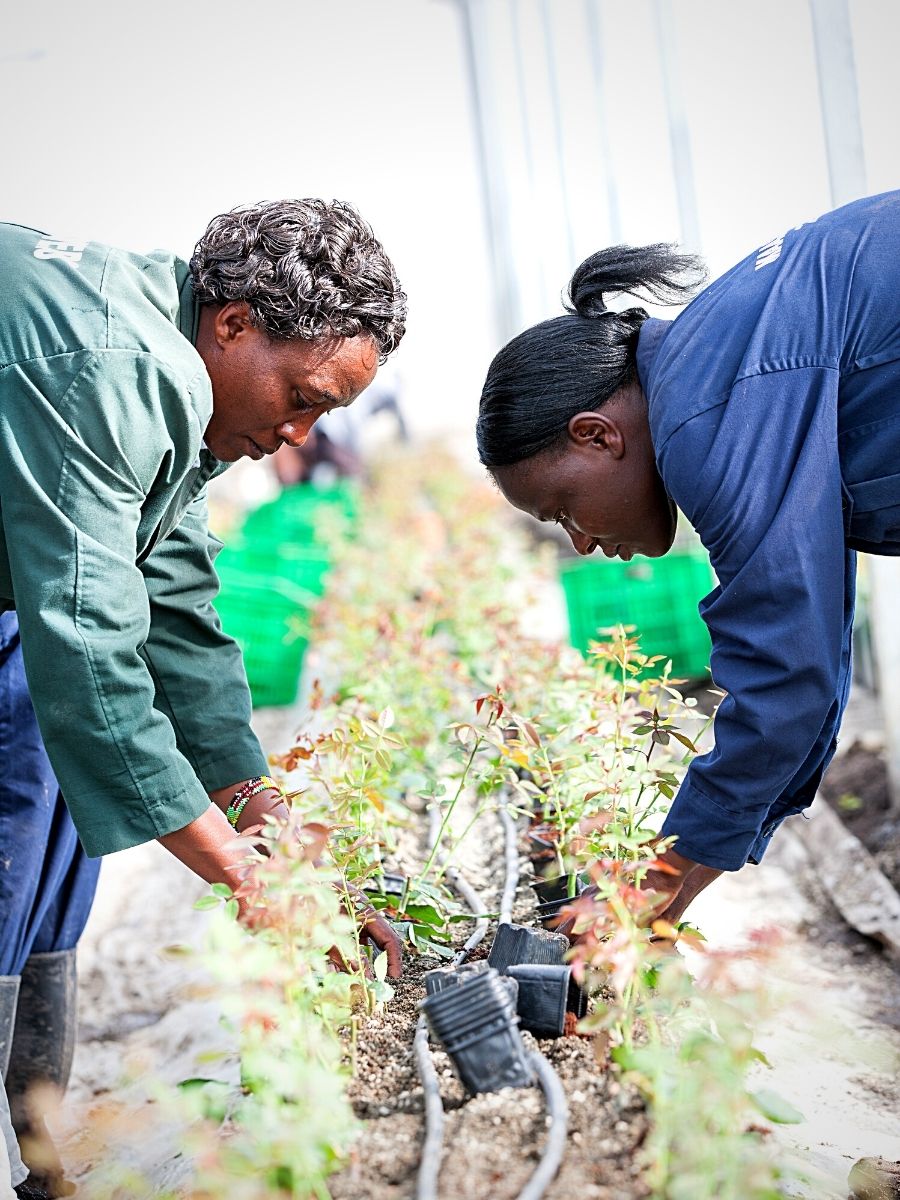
(134, 124)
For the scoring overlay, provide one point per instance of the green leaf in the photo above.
(382, 991)
(187, 1085)
(440, 951)
(232, 908)
(424, 914)
(685, 741)
(775, 1108)
(206, 902)
(221, 889)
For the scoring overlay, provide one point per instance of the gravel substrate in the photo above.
(492, 1142)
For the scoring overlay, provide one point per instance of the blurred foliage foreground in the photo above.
(431, 688)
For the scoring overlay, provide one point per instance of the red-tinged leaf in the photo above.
(660, 864)
(479, 703)
(531, 733)
(685, 740)
(597, 820)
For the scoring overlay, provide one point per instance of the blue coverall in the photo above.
(47, 882)
(774, 406)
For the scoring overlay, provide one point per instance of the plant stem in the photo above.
(423, 874)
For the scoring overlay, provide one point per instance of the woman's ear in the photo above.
(597, 431)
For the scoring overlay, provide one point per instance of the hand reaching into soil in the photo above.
(208, 846)
(376, 931)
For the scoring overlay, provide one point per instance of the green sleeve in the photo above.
(79, 459)
(199, 675)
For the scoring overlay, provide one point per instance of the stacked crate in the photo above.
(658, 596)
(272, 576)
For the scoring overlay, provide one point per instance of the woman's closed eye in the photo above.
(303, 404)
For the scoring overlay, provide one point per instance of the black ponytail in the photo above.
(574, 363)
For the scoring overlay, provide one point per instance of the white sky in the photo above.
(134, 124)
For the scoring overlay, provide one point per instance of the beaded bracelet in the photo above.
(246, 792)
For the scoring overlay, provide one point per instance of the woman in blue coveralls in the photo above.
(768, 411)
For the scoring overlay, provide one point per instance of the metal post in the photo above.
(553, 80)
(595, 34)
(525, 114)
(839, 99)
(493, 189)
(679, 136)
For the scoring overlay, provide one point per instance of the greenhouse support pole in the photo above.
(488, 142)
(679, 134)
(839, 99)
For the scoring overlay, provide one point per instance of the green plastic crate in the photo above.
(269, 619)
(303, 565)
(657, 595)
(296, 512)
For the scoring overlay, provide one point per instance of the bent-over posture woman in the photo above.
(768, 411)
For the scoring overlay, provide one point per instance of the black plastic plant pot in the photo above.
(577, 998)
(490, 1060)
(487, 993)
(477, 1025)
(444, 977)
(387, 884)
(458, 1030)
(540, 849)
(520, 944)
(556, 887)
(543, 997)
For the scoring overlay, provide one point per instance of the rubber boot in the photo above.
(11, 1165)
(42, 1050)
(9, 996)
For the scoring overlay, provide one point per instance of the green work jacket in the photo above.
(105, 552)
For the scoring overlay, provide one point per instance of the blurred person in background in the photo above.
(128, 381)
(768, 411)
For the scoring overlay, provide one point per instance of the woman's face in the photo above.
(601, 485)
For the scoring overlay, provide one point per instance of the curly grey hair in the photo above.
(306, 268)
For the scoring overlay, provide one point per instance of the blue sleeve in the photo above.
(765, 497)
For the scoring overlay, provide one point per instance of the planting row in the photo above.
(432, 696)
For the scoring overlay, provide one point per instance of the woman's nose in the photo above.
(295, 432)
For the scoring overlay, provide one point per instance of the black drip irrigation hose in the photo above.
(558, 1112)
(550, 1083)
(432, 1147)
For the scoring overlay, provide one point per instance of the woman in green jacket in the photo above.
(126, 383)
